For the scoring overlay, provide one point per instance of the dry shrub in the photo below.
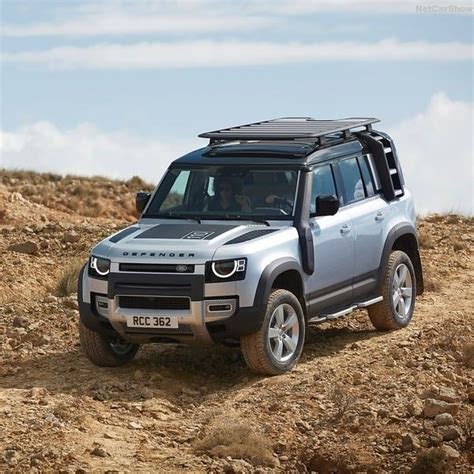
(237, 439)
(330, 463)
(468, 428)
(63, 412)
(432, 461)
(426, 241)
(67, 283)
(458, 246)
(435, 218)
(342, 400)
(47, 176)
(452, 218)
(431, 284)
(448, 341)
(93, 209)
(91, 197)
(351, 457)
(135, 183)
(468, 355)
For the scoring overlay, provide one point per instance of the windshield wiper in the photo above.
(245, 218)
(174, 215)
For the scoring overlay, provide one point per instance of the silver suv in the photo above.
(272, 227)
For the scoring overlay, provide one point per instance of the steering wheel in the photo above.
(270, 211)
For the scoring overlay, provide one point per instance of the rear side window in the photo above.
(323, 184)
(367, 176)
(352, 180)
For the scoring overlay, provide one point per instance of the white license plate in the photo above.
(152, 322)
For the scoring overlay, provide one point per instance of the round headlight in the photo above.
(100, 265)
(224, 269)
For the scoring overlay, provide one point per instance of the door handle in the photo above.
(345, 229)
(379, 216)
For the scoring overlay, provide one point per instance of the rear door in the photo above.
(369, 213)
(333, 237)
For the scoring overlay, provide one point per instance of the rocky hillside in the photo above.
(359, 401)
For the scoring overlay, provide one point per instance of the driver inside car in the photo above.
(227, 197)
(280, 201)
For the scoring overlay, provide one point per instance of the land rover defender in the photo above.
(273, 227)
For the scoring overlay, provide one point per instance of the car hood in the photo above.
(170, 242)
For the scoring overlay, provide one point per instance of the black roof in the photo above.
(283, 155)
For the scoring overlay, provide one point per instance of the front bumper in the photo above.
(100, 309)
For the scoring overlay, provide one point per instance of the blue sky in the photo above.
(121, 88)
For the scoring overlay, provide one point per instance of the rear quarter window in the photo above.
(352, 180)
(367, 176)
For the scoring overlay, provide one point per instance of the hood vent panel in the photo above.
(122, 234)
(253, 234)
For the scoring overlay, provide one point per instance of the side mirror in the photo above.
(141, 200)
(326, 205)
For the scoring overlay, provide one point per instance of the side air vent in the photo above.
(253, 234)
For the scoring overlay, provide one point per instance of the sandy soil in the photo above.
(359, 400)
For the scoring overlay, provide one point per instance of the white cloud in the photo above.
(137, 24)
(203, 16)
(86, 150)
(437, 154)
(137, 17)
(189, 54)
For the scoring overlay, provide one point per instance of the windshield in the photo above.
(225, 192)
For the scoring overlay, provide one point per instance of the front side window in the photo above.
(323, 184)
(225, 191)
(352, 180)
(177, 192)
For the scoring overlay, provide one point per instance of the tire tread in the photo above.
(253, 345)
(381, 314)
(97, 349)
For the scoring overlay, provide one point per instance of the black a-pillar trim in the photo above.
(305, 235)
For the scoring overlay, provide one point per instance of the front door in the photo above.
(330, 285)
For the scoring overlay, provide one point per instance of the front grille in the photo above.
(154, 302)
(156, 267)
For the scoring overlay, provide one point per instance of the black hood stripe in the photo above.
(185, 231)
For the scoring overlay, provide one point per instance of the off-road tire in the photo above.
(99, 351)
(255, 347)
(383, 315)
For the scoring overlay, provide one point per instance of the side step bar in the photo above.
(343, 312)
(364, 304)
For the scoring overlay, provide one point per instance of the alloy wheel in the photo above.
(284, 332)
(402, 291)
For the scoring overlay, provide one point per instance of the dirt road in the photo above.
(356, 402)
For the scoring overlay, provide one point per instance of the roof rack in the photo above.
(289, 128)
